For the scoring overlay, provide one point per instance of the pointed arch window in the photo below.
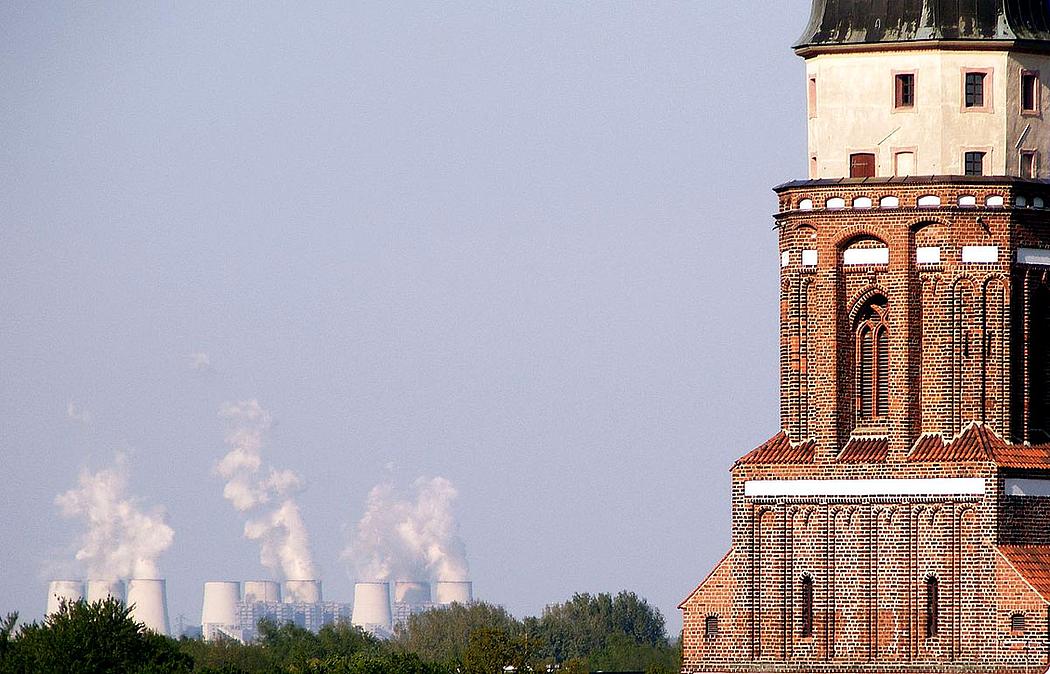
(807, 606)
(872, 362)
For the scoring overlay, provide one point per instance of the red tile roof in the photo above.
(780, 449)
(865, 450)
(1032, 562)
(977, 442)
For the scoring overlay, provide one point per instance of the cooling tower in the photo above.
(262, 590)
(372, 605)
(63, 589)
(99, 589)
(449, 591)
(149, 602)
(302, 591)
(411, 592)
(220, 607)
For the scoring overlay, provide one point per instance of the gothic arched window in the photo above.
(1039, 367)
(807, 606)
(933, 610)
(872, 362)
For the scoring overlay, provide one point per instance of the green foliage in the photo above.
(490, 650)
(100, 637)
(442, 634)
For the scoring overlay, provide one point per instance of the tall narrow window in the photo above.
(862, 165)
(872, 362)
(932, 606)
(973, 95)
(904, 90)
(973, 163)
(711, 627)
(1039, 367)
(1029, 166)
(811, 96)
(807, 606)
(1029, 91)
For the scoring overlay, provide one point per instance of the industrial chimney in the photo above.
(57, 590)
(99, 589)
(411, 592)
(449, 591)
(372, 606)
(302, 591)
(262, 590)
(219, 616)
(149, 601)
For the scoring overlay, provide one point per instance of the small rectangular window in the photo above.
(904, 90)
(973, 163)
(711, 627)
(1029, 167)
(811, 96)
(1029, 91)
(974, 94)
(1017, 623)
(904, 163)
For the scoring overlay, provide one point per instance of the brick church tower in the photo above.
(900, 519)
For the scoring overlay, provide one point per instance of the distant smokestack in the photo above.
(262, 590)
(411, 592)
(372, 606)
(100, 589)
(302, 591)
(149, 601)
(220, 615)
(449, 591)
(57, 590)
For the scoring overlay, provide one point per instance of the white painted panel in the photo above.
(866, 256)
(1037, 256)
(1027, 487)
(928, 255)
(929, 201)
(935, 486)
(862, 202)
(785, 259)
(807, 205)
(994, 201)
(967, 200)
(809, 258)
(836, 202)
(889, 202)
(980, 254)
(905, 163)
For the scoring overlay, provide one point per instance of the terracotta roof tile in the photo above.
(865, 450)
(1024, 456)
(1032, 562)
(780, 449)
(976, 443)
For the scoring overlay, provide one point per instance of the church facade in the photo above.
(899, 521)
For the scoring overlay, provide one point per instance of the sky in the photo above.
(524, 247)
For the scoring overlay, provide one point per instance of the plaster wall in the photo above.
(853, 111)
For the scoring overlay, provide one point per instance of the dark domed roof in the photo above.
(856, 22)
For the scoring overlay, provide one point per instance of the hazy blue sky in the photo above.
(526, 247)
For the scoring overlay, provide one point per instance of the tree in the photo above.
(87, 638)
(491, 650)
(442, 634)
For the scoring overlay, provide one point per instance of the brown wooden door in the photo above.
(862, 165)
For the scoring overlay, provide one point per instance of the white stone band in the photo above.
(936, 486)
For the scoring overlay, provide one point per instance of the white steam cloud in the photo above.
(78, 414)
(121, 540)
(264, 494)
(413, 538)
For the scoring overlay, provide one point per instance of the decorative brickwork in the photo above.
(897, 523)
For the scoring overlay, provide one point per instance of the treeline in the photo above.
(621, 633)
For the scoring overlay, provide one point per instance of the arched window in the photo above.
(711, 627)
(873, 362)
(932, 605)
(807, 606)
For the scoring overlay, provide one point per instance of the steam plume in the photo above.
(265, 494)
(121, 540)
(409, 538)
